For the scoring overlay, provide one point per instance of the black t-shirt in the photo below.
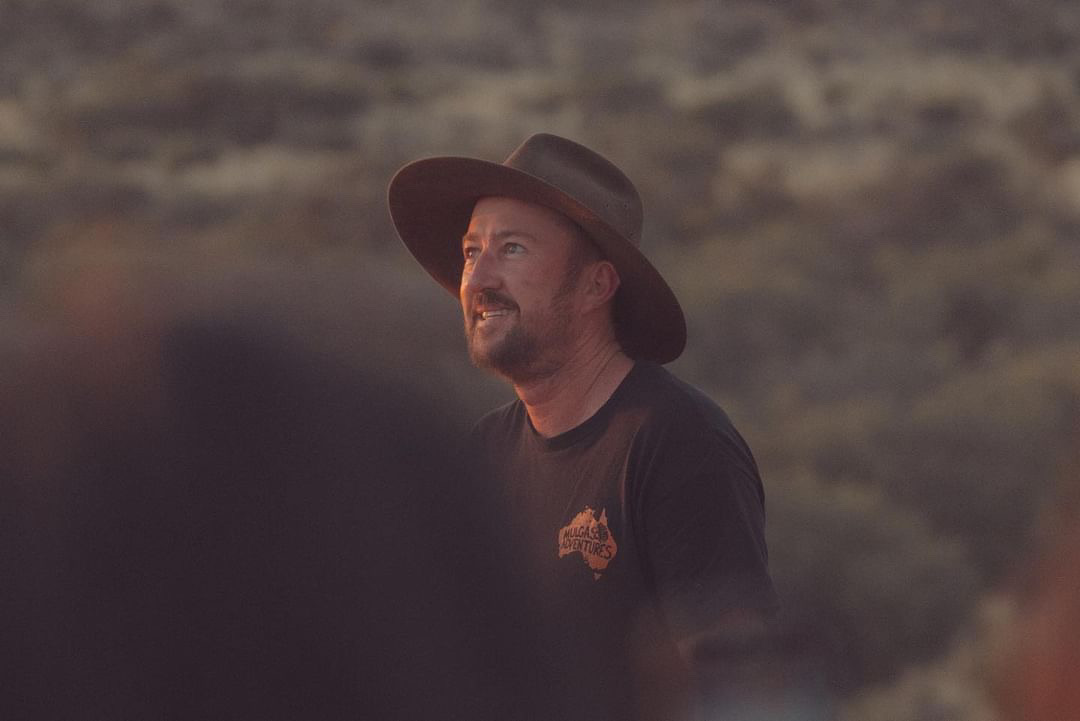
(641, 527)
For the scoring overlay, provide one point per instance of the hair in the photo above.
(583, 252)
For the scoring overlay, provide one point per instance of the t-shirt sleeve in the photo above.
(703, 522)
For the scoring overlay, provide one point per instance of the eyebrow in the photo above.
(499, 235)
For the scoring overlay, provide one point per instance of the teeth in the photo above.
(493, 313)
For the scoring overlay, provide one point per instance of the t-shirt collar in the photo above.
(592, 425)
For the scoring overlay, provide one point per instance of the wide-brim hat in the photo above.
(431, 202)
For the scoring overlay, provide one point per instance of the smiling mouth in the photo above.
(488, 319)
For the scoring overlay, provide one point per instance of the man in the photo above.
(642, 503)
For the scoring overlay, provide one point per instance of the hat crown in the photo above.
(586, 176)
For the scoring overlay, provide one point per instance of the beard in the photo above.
(530, 350)
(515, 356)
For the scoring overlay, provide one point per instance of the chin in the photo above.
(515, 355)
(489, 358)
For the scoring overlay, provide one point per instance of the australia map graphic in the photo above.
(591, 537)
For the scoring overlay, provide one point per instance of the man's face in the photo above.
(518, 288)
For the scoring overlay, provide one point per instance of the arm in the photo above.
(704, 529)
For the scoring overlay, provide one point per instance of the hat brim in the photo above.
(431, 202)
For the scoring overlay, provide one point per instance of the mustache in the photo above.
(493, 298)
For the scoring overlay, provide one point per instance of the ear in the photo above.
(601, 282)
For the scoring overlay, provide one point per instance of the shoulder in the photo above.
(677, 412)
(683, 438)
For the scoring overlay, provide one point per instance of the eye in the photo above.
(470, 252)
(513, 248)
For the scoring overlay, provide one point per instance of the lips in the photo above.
(487, 314)
(489, 305)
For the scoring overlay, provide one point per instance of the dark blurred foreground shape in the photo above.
(203, 517)
(209, 511)
(1040, 676)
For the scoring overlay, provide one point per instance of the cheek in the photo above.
(465, 288)
(534, 281)
(546, 289)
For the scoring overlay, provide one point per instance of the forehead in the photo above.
(495, 214)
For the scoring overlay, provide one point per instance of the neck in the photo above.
(577, 390)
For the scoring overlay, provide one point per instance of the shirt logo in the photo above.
(591, 537)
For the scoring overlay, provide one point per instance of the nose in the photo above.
(480, 274)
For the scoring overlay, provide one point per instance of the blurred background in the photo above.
(870, 212)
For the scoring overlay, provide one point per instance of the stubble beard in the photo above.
(522, 355)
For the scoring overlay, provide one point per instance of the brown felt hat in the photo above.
(431, 202)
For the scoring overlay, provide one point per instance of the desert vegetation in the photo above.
(870, 212)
